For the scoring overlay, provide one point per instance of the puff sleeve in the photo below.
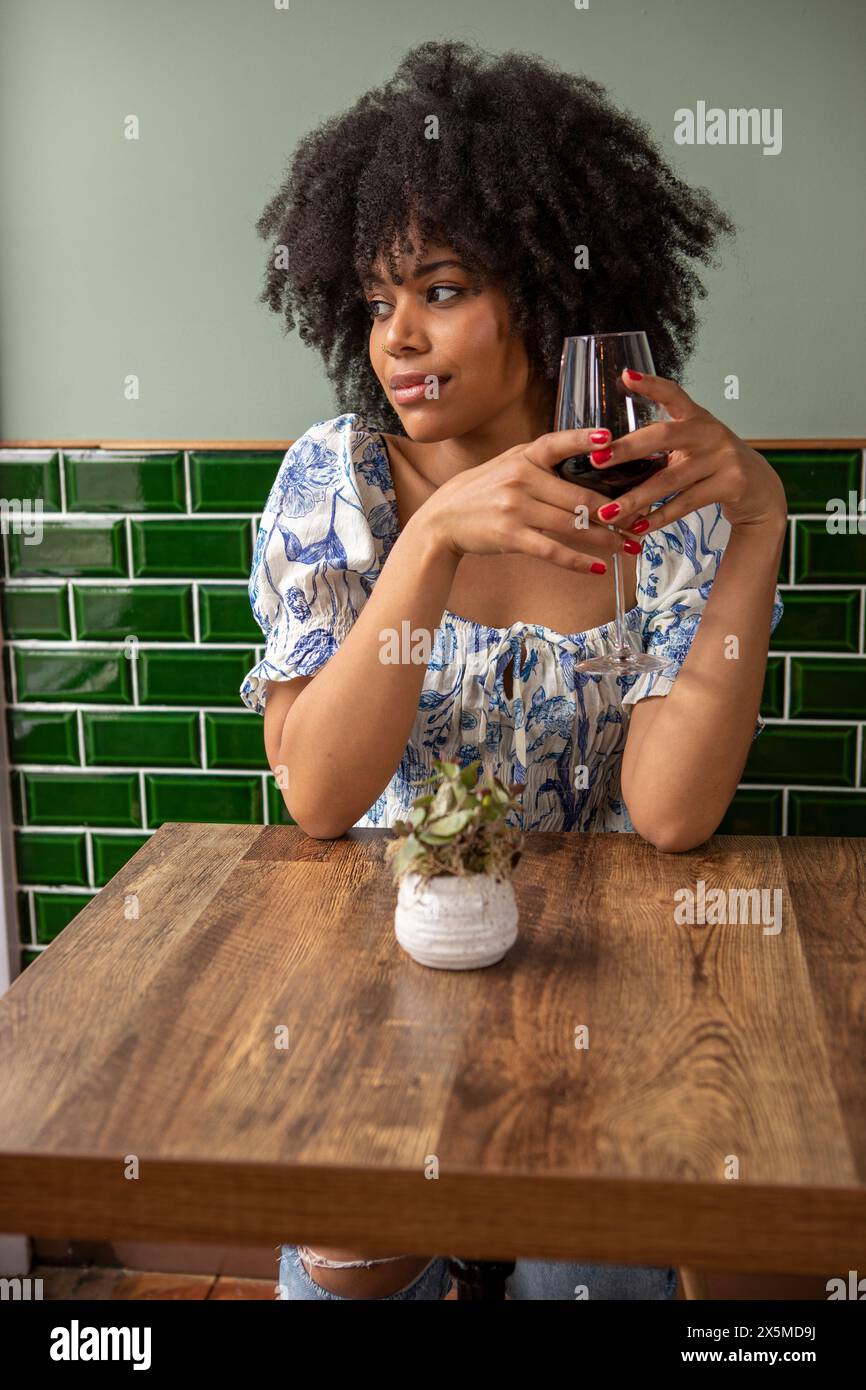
(322, 539)
(677, 568)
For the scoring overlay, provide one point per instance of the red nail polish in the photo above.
(597, 567)
(600, 436)
(609, 511)
(601, 455)
(635, 376)
(640, 526)
(632, 547)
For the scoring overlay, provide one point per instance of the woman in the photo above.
(430, 232)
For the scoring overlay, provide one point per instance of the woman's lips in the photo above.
(407, 395)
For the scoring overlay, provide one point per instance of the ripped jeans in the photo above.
(532, 1279)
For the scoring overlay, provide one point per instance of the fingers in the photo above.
(562, 525)
(544, 547)
(558, 492)
(550, 449)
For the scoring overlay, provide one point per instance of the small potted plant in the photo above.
(454, 858)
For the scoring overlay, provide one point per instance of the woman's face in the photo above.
(438, 323)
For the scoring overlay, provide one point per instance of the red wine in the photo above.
(611, 481)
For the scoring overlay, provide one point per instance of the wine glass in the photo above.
(593, 395)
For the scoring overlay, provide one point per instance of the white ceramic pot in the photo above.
(454, 923)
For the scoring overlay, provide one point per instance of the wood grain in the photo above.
(708, 1044)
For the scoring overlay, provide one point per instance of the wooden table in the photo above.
(258, 1049)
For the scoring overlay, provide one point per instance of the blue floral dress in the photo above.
(328, 525)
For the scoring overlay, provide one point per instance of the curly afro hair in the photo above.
(528, 163)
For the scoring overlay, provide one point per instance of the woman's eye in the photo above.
(449, 289)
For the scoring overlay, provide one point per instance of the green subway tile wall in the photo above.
(156, 546)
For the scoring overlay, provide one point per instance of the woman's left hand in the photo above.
(707, 462)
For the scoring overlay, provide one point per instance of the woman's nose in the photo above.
(404, 328)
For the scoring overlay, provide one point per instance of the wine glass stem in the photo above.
(620, 600)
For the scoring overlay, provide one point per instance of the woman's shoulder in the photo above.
(342, 455)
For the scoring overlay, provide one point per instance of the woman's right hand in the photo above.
(516, 503)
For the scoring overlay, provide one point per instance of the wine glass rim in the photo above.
(584, 337)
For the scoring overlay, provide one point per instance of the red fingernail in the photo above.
(610, 510)
(640, 526)
(633, 547)
(601, 455)
(597, 567)
(635, 376)
(600, 436)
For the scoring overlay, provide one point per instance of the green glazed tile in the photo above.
(54, 911)
(785, 559)
(29, 474)
(69, 548)
(16, 792)
(828, 689)
(819, 620)
(225, 614)
(786, 753)
(142, 740)
(28, 957)
(237, 800)
(811, 477)
(22, 904)
(773, 697)
(823, 813)
(278, 811)
(85, 675)
(57, 798)
(225, 481)
(822, 558)
(192, 549)
(111, 852)
(39, 737)
(757, 812)
(98, 481)
(36, 613)
(192, 677)
(235, 741)
(51, 859)
(152, 612)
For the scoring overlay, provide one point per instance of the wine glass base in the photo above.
(621, 664)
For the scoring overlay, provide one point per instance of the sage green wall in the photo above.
(141, 257)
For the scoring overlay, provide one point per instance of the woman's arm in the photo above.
(346, 731)
(685, 753)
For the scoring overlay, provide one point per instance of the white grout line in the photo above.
(88, 850)
(265, 814)
(32, 915)
(792, 557)
(107, 517)
(114, 644)
(858, 759)
(61, 469)
(785, 811)
(7, 567)
(862, 612)
(106, 770)
(128, 529)
(109, 581)
(196, 619)
(202, 748)
(42, 706)
(83, 829)
(79, 721)
(186, 483)
(70, 599)
(786, 694)
(133, 662)
(142, 794)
